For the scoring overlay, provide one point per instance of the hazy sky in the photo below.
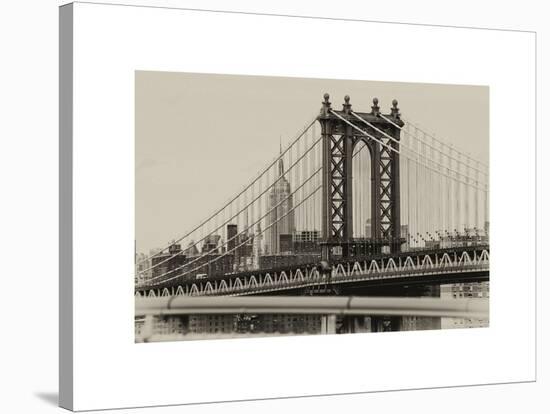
(202, 137)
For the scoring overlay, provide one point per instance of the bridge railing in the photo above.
(474, 308)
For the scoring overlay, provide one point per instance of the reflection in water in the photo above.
(460, 291)
(221, 326)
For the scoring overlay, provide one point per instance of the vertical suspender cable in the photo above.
(476, 199)
(468, 199)
(417, 194)
(457, 200)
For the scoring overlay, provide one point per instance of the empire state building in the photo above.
(280, 214)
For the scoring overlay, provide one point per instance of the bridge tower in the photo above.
(341, 131)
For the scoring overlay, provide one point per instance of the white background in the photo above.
(138, 38)
(29, 169)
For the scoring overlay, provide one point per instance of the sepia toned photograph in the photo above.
(271, 206)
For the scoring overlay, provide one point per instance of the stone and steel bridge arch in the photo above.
(339, 137)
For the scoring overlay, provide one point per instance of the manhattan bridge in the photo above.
(359, 203)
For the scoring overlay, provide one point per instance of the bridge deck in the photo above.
(452, 265)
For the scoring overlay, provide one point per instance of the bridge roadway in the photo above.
(420, 267)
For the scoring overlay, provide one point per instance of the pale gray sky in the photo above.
(201, 137)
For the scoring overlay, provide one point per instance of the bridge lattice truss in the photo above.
(450, 266)
(368, 184)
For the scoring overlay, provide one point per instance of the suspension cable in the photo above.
(236, 236)
(232, 216)
(399, 142)
(393, 149)
(441, 142)
(238, 246)
(259, 175)
(251, 226)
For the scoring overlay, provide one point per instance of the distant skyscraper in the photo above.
(192, 249)
(167, 263)
(405, 235)
(211, 243)
(257, 247)
(368, 229)
(280, 219)
(143, 267)
(465, 290)
(231, 237)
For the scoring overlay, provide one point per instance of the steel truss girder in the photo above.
(337, 182)
(386, 190)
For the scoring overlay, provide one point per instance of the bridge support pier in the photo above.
(385, 323)
(328, 324)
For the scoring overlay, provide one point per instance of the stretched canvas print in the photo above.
(273, 206)
(257, 206)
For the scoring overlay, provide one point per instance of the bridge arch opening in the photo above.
(362, 187)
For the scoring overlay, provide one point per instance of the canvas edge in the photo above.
(66, 206)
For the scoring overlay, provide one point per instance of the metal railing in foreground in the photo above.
(319, 305)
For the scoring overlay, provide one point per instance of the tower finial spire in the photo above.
(280, 145)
